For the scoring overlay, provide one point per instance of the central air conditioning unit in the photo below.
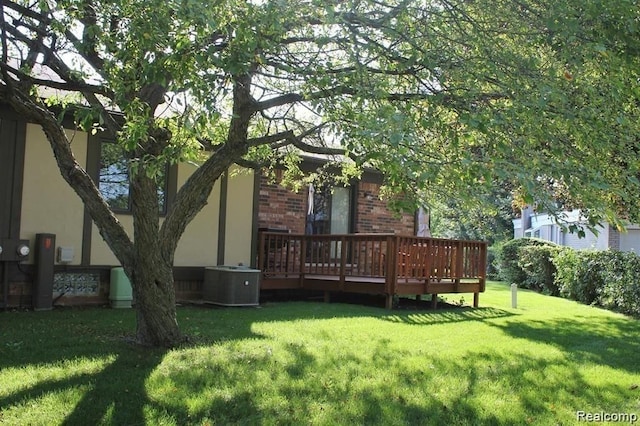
(231, 286)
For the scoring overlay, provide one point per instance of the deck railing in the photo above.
(394, 258)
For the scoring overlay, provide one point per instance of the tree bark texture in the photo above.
(152, 272)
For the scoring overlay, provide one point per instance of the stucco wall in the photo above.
(49, 205)
(100, 252)
(199, 244)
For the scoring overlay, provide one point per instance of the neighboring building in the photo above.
(546, 227)
(34, 199)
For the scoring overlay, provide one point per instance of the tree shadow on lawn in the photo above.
(106, 394)
(75, 351)
(374, 386)
(313, 383)
(610, 341)
(99, 334)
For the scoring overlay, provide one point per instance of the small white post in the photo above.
(514, 295)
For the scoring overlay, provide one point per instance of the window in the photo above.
(113, 179)
(332, 214)
(332, 211)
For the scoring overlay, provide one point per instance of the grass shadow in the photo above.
(113, 389)
(105, 396)
(88, 348)
(46, 337)
(118, 405)
(343, 388)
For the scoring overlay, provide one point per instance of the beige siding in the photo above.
(197, 247)
(101, 253)
(199, 244)
(49, 205)
(239, 217)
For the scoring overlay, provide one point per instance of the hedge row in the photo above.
(610, 279)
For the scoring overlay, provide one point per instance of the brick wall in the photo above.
(373, 216)
(279, 207)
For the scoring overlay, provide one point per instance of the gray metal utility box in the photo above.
(231, 286)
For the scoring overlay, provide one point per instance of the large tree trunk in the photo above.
(155, 303)
(151, 273)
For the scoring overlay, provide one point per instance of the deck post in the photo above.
(483, 266)
(392, 265)
(434, 301)
(327, 296)
(476, 299)
(388, 301)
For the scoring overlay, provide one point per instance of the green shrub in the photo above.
(610, 279)
(536, 261)
(492, 258)
(508, 259)
(621, 290)
(579, 274)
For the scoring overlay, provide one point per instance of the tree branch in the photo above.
(59, 85)
(66, 74)
(333, 92)
(193, 195)
(107, 223)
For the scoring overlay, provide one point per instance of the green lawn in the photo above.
(328, 364)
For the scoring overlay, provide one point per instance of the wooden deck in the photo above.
(384, 264)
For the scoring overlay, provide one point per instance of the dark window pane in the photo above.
(114, 176)
(114, 179)
(321, 210)
(332, 210)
